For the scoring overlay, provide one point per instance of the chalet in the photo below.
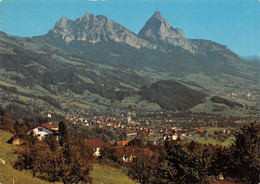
(41, 131)
(96, 145)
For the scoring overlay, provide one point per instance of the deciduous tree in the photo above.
(246, 152)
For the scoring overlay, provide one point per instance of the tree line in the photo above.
(178, 162)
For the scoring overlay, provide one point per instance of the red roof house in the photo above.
(96, 145)
(42, 130)
(128, 153)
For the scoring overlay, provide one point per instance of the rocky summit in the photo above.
(158, 30)
(92, 33)
(94, 29)
(156, 34)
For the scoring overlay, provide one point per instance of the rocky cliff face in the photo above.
(63, 29)
(158, 30)
(156, 34)
(99, 38)
(94, 29)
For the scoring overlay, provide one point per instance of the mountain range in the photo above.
(92, 64)
(158, 45)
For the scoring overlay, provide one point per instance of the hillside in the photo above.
(101, 173)
(217, 99)
(38, 76)
(7, 172)
(109, 175)
(172, 95)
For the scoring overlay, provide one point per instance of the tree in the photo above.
(108, 152)
(63, 129)
(52, 142)
(31, 157)
(221, 160)
(139, 142)
(246, 152)
(182, 166)
(5, 122)
(76, 163)
(64, 133)
(143, 169)
(69, 164)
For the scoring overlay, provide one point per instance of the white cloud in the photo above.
(0, 0)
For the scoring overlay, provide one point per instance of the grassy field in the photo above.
(17, 87)
(134, 101)
(24, 98)
(87, 80)
(210, 140)
(7, 172)
(109, 175)
(101, 173)
(83, 106)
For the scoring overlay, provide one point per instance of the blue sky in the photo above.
(235, 23)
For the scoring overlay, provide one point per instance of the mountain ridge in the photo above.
(156, 35)
(94, 29)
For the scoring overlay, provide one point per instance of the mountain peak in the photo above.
(87, 14)
(62, 23)
(157, 15)
(63, 20)
(158, 30)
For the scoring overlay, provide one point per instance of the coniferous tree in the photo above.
(64, 133)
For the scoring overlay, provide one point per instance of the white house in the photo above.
(96, 145)
(41, 131)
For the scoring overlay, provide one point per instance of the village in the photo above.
(153, 131)
(122, 142)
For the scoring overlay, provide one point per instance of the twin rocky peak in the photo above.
(156, 34)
